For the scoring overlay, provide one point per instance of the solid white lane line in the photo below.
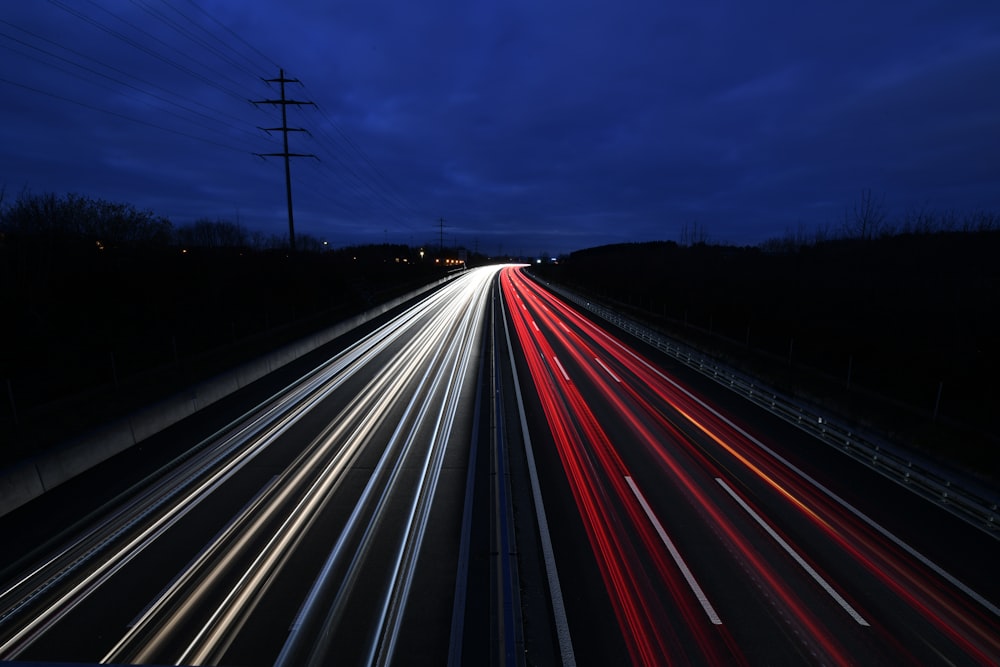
(695, 588)
(874, 525)
(560, 367)
(609, 371)
(462, 347)
(795, 556)
(548, 554)
(367, 514)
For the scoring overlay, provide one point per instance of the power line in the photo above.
(118, 115)
(367, 160)
(366, 186)
(284, 103)
(378, 191)
(365, 189)
(142, 47)
(190, 36)
(118, 81)
(230, 31)
(183, 53)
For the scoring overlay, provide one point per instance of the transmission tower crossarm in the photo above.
(286, 155)
(297, 102)
(284, 103)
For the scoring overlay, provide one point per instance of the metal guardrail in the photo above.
(959, 496)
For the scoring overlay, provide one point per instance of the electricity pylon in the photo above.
(284, 129)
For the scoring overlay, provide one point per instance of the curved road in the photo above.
(314, 525)
(710, 541)
(488, 477)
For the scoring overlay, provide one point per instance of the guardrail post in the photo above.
(964, 503)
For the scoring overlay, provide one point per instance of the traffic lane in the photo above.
(697, 530)
(593, 626)
(912, 604)
(916, 580)
(331, 607)
(60, 510)
(426, 622)
(433, 586)
(741, 501)
(426, 617)
(579, 360)
(541, 630)
(633, 571)
(425, 629)
(902, 531)
(964, 550)
(265, 466)
(105, 615)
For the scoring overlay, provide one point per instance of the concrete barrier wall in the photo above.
(19, 484)
(22, 482)
(81, 455)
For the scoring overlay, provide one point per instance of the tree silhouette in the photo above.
(868, 218)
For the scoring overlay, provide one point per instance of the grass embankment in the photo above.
(95, 331)
(898, 334)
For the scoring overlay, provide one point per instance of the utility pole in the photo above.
(440, 235)
(284, 129)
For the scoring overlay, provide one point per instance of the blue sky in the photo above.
(528, 125)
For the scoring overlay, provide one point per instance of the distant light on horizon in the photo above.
(498, 130)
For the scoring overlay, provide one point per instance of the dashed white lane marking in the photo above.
(695, 588)
(609, 371)
(561, 369)
(791, 552)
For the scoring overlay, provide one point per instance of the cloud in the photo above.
(561, 120)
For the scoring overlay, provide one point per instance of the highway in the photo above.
(314, 525)
(488, 477)
(712, 545)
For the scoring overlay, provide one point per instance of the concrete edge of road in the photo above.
(26, 480)
(950, 489)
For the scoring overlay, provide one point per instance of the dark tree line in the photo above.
(910, 317)
(107, 307)
(73, 218)
(76, 217)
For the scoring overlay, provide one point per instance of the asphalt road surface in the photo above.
(696, 529)
(488, 477)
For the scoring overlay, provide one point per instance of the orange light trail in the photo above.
(597, 477)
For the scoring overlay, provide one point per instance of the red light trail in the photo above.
(704, 455)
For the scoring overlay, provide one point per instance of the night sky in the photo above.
(528, 125)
